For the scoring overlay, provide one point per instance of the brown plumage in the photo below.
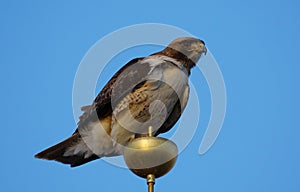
(56, 153)
(129, 93)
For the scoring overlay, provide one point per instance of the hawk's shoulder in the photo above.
(115, 88)
(130, 77)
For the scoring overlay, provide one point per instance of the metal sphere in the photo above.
(150, 155)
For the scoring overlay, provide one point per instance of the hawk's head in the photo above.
(187, 50)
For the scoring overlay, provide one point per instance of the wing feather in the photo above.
(129, 78)
(121, 84)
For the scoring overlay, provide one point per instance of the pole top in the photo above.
(150, 155)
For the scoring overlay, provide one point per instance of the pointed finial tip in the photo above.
(150, 131)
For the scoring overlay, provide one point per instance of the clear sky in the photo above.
(256, 44)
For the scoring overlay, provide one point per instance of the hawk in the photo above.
(150, 91)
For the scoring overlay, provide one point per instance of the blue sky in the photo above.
(256, 44)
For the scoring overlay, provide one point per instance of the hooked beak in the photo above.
(202, 48)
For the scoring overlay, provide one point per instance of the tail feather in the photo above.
(57, 153)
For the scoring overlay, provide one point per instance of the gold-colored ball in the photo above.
(150, 155)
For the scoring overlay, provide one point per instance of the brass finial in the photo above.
(150, 182)
(150, 157)
(150, 129)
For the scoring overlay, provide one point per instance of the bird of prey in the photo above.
(149, 91)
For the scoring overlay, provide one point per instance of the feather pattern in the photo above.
(147, 91)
